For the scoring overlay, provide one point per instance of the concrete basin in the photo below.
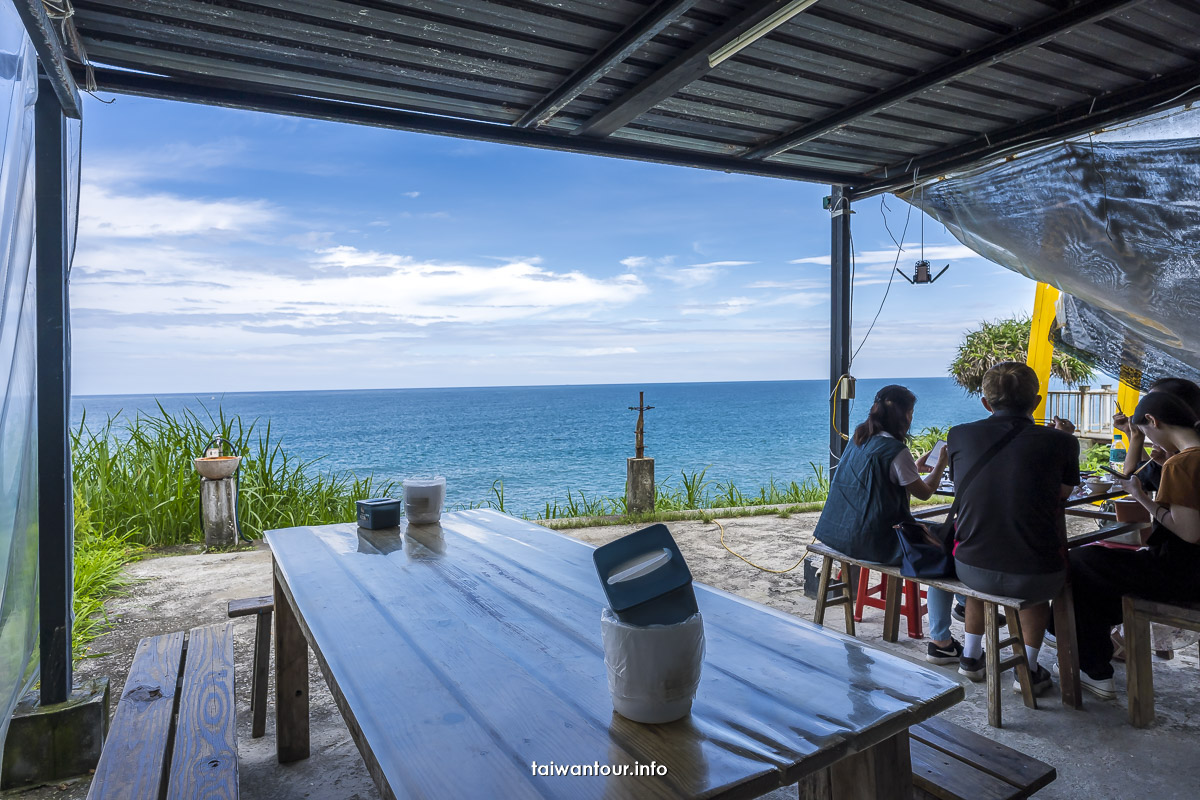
(217, 467)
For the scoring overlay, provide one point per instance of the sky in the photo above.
(224, 250)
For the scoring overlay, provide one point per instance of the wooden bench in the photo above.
(1139, 676)
(950, 762)
(993, 644)
(261, 607)
(173, 735)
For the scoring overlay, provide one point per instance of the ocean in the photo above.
(542, 441)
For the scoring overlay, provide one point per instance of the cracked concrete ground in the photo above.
(1095, 750)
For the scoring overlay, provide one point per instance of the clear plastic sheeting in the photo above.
(18, 440)
(653, 670)
(1114, 222)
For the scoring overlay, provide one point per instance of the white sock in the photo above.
(1031, 653)
(972, 645)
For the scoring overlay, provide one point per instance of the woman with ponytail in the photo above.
(869, 495)
(1168, 569)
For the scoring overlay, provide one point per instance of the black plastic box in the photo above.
(379, 512)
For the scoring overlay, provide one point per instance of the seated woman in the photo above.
(1169, 568)
(869, 495)
(1011, 530)
(1135, 455)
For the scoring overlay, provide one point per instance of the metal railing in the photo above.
(1091, 411)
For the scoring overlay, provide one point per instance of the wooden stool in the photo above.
(1139, 677)
(262, 608)
(875, 597)
(842, 584)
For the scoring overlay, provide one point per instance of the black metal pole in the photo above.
(55, 512)
(839, 321)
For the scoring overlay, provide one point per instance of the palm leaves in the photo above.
(1007, 340)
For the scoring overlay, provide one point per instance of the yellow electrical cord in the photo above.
(751, 563)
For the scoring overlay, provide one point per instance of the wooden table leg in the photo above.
(1068, 648)
(291, 681)
(1138, 671)
(882, 772)
(262, 667)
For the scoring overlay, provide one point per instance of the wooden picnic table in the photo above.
(946, 489)
(463, 654)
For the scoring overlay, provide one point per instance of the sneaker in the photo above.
(944, 655)
(959, 612)
(1104, 688)
(1040, 679)
(973, 668)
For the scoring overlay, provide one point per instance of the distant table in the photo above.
(462, 654)
(946, 489)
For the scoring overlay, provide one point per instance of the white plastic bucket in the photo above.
(423, 499)
(653, 670)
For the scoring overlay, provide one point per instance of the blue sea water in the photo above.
(545, 440)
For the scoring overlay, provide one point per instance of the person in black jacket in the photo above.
(1011, 529)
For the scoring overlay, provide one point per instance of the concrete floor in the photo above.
(1097, 753)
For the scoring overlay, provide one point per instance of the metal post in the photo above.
(839, 321)
(55, 513)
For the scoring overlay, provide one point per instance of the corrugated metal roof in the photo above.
(863, 93)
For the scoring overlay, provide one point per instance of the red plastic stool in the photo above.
(873, 596)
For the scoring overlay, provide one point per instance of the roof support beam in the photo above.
(1031, 36)
(656, 18)
(56, 529)
(237, 94)
(673, 76)
(50, 53)
(1090, 115)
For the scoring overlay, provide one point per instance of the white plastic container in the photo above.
(423, 499)
(653, 670)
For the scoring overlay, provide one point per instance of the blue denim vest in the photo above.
(864, 503)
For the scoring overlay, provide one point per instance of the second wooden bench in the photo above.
(993, 644)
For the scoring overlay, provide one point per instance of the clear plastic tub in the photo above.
(423, 499)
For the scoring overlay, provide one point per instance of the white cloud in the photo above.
(410, 194)
(602, 351)
(690, 276)
(106, 214)
(721, 308)
(640, 262)
(911, 252)
(381, 290)
(724, 264)
(799, 284)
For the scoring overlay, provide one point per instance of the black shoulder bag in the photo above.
(927, 549)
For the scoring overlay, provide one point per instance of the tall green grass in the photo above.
(99, 561)
(694, 492)
(135, 476)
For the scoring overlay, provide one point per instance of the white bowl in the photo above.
(217, 467)
(1098, 485)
